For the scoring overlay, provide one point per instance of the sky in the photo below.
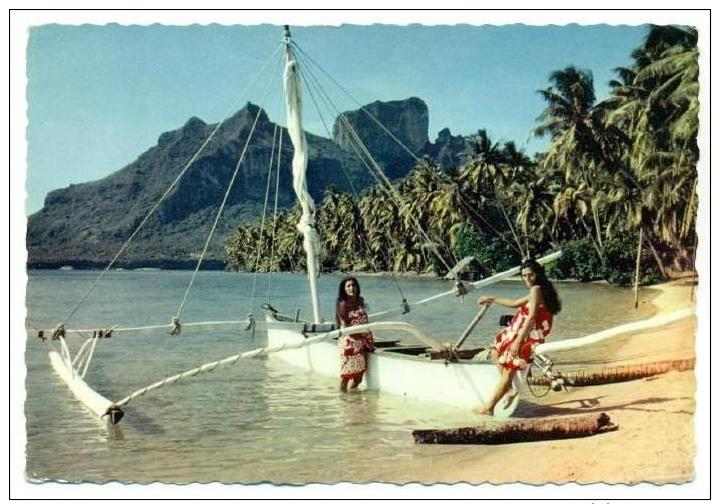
(100, 95)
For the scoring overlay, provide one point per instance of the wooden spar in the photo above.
(651, 323)
(519, 431)
(471, 326)
(475, 285)
(637, 268)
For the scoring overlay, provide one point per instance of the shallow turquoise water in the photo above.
(256, 420)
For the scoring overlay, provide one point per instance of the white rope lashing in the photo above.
(374, 119)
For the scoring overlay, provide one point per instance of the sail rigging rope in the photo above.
(212, 366)
(480, 283)
(479, 216)
(275, 212)
(262, 222)
(399, 142)
(380, 124)
(308, 85)
(224, 202)
(167, 191)
(379, 175)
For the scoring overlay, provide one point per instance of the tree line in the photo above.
(616, 172)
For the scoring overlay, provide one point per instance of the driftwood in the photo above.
(617, 374)
(519, 431)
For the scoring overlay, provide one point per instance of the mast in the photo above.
(306, 225)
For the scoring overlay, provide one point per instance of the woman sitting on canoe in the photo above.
(529, 327)
(350, 311)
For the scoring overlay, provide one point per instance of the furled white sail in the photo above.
(306, 226)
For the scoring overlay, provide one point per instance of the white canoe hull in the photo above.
(464, 384)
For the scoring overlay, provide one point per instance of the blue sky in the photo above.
(99, 96)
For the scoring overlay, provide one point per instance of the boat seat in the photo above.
(406, 350)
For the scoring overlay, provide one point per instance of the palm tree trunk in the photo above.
(656, 256)
(637, 267)
(592, 239)
(596, 218)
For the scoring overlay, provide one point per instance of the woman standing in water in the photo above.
(529, 327)
(350, 311)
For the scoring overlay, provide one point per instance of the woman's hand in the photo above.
(515, 347)
(485, 300)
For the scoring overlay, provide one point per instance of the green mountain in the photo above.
(84, 225)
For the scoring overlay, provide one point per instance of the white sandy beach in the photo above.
(654, 443)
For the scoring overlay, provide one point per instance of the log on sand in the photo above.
(617, 374)
(519, 431)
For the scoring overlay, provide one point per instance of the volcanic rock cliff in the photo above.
(85, 224)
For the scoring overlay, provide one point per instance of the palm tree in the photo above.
(577, 134)
(655, 103)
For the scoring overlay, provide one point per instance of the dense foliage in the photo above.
(614, 171)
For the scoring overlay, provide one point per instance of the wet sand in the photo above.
(655, 441)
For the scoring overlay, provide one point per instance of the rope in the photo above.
(259, 352)
(151, 327)
(412, 154)
(477, 214)
(222, 205)
(166, 193)
(212, 366)
(262, 222)
(512, 228)
(323, 95)
(379, 175)
(480, 283)
(275, 212)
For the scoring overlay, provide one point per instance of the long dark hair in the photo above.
(550, 296)
(342, 295)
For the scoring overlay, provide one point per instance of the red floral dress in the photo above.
(537, 335)
(353, 347)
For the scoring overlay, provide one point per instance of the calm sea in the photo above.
(255, 421)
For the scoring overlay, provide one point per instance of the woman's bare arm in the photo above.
(507, 303)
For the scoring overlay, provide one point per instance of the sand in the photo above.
(655, 441)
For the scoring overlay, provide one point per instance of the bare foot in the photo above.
(343, 386)
(482, 410)
(509, 397)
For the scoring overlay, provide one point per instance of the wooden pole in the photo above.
(692, 281)
(471, 326)
(520, 431)
(637, 268)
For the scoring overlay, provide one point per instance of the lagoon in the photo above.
(257, 420)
